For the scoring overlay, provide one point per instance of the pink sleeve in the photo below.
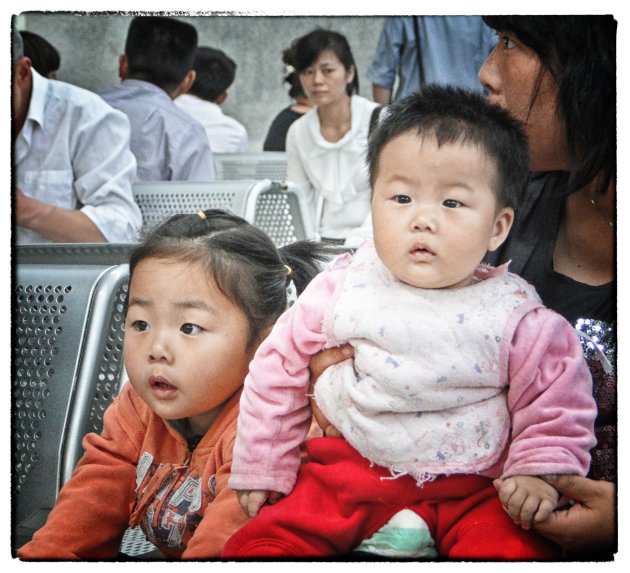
(550, 398)
(275, 413)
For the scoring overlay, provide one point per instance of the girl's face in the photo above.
(325, 80)
(510, 74)
(185, 343)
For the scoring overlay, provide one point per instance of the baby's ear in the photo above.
(502, 225)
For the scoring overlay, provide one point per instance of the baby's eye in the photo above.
(452, 203)
(190, 328)
(140, 325)
(402, 199)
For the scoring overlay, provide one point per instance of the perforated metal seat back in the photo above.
(67, 361)
(277, 208)
(265, 165)
(161, 199)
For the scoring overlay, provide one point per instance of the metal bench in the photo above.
(67, 363)
(278, 208)
(264, 165)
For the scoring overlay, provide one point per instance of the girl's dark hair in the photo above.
(241, 259)
(454, 115)
(309, 47)
(580, 53)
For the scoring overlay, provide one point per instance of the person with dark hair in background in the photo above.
(558, 74)
(325, 147)
(157, 66)
(43, 55)
(277, 134)
(72, 166)
(215, 73)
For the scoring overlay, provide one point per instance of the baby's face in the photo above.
(434, 211)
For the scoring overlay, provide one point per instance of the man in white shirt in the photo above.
(73, 169)
(214, 75)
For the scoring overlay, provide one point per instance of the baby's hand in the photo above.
(252, 500)
(527, 499)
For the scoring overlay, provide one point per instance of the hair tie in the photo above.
(288, 269)
(202, 215)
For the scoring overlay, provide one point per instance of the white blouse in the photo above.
(334, 176)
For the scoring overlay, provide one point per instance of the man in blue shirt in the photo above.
(156, 67)
(452, 48)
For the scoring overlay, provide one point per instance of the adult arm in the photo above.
(296, 170)
(317, 365)
(57, 224)
(92, 510)
(381, 94)
(104, 171)
(383, 68)
(589, 524)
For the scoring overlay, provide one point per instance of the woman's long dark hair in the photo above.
(580, 53)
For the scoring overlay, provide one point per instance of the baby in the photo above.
(460, 375)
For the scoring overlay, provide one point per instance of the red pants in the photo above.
(339, 500)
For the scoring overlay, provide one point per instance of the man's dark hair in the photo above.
(42, 53)
(580, 53)
(160, 50)
(215, 73)
(457, 116)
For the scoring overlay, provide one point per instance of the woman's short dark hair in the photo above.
(457, 116)
(309, 47)
(580, 53)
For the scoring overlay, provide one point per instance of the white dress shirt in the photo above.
(333, 175)
(226, 135)
(73, 152)
(169, 145)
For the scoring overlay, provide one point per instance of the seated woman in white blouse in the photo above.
(325, 147)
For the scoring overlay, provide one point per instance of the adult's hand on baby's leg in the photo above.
(317, 365)
(527, 499)
(251, 500)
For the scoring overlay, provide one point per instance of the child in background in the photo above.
(460, 375)
(204, 290)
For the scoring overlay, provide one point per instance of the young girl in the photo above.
(460, 375)
(204, 290)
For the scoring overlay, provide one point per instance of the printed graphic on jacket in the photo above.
(170, 503)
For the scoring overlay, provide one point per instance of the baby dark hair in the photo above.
(454, 115)
(241, 259)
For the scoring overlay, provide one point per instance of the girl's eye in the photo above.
(452, 203)
(190, 329)
(140, 325)
(402, 199)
